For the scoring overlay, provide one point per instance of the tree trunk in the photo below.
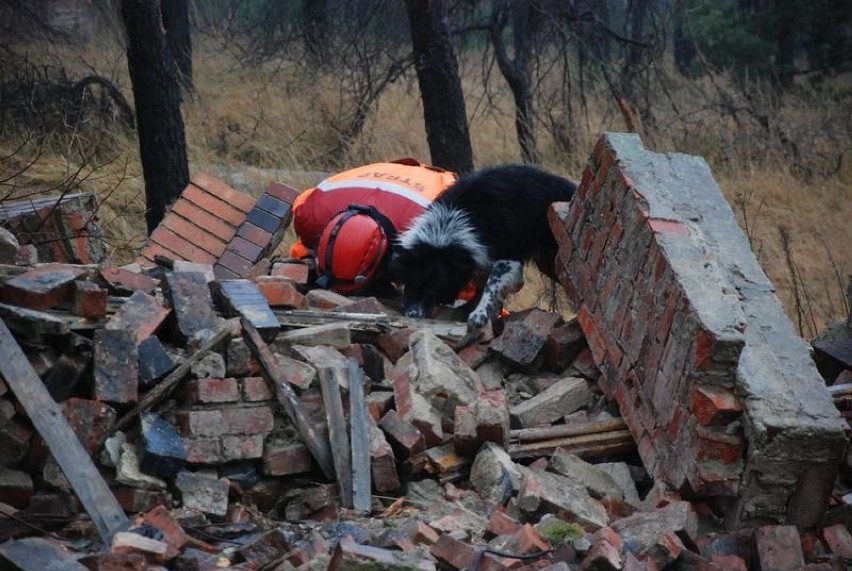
(517, 71)
(684, 47)
(440, 86)
(177, 24)
(162, 143)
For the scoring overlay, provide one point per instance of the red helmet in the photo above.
(351, 248)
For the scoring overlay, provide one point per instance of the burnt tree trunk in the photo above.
(516, 70)
(440, 86)
(177, 24)
(162, 142)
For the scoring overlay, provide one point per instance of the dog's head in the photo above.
(436, 258)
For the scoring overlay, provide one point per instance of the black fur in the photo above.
(505, 209)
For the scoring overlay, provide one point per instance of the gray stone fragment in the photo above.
(561, 398)
(494, 475)
(207, 494)
(598, 482)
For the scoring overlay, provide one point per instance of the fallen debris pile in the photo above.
(241, 445)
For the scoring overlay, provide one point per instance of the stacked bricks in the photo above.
(60, 228)
(201, 223)
(228, 419)
(259, 234)
(717, 389)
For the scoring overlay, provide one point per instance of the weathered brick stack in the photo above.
(717, 389)
(212, 223)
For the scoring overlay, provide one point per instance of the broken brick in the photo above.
(212, 390)
(89, 301)
(283, 458)
(154, 362)
(296, 273)
(281, 292)
(382, 462)
(162, 452)
(243, 298)
(402, 434)
(116, 366)
(778, 547)
(42, 287)
(191, 302)
(90, 421)
(125, 282)
(141, 314)
(715, 406)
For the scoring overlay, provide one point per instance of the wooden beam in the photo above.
(46, 416)
(315, 442)
(370, 322)
(565, 430)
(330, 386)
(360, 429)
(587, 446)
(165, 387)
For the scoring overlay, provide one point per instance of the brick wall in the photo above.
(718, 390)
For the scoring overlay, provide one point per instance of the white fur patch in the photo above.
(440, 227)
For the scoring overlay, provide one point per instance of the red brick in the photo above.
(208, 391)
(267, 548)
(204, 450)
(234, 262)
(215, 207)
(223, 273)
(172, 532)
(282, 192)
(728, 562)
(90, 300)
(226, 420)
(203, 219)
(382, 462)
(281, 458)
(501, 523)
(185, 247)
(242, 446)
(255, 389)
(451, 551)
(778, 548)
(715, 406)
(244, 248)
(254, 235)
(839, 540)
(197, 236)
(281, 291)
(122, 280)
(297, 273)
(222, 191)
(662, 226)
(402, 433)
(378, 403)
(394, 344)
(90, 421)
(42, 287)
(141, 313)
(464, 431)
(326, 299)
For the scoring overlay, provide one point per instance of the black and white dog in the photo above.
(484, 227)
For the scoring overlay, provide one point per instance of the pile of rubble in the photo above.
(205, 409)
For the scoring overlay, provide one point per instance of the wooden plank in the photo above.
(587, 445)
(287, 398)
(565, 430)
(360, 429)
(330, 386)
(165, 387)
(94, 494)
(370, 322)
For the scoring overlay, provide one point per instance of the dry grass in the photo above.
(250, 125)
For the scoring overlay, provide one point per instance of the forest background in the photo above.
(293, 90)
